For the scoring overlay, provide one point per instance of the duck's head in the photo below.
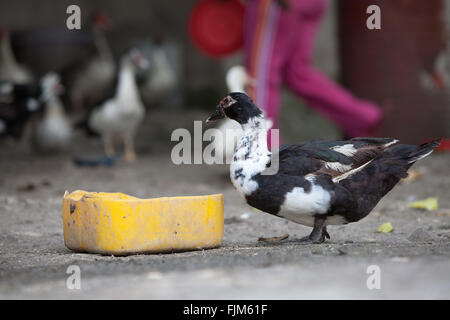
(236, 106)
(51, 86)
(136, 59)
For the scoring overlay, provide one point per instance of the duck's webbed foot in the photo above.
(318, 234)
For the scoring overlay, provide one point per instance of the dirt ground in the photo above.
(414, 259)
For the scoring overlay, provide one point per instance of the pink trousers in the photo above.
(278, 48)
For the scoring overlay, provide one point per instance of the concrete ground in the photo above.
(413, 260)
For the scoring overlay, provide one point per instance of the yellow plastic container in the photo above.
(115, 223)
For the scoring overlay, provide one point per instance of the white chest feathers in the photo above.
(251, 156)
(124, 112)
(53, 132)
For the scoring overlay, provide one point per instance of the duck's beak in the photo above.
(217, 115)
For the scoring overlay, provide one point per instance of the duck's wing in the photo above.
(330, 157)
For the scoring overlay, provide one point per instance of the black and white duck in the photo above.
(237, 79)
(318, 183)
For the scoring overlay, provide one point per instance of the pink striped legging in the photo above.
(278, 47)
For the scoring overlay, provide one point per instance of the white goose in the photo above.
(120, 116)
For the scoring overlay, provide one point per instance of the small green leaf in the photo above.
(427, 204)
(385, 228)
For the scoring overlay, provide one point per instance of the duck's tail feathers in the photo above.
(375, 179)
(412, 153)
(424, 150)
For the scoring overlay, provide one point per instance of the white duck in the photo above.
(120, 116)
(236, 79)
(86, 80)
(10, 70)
(53, 131)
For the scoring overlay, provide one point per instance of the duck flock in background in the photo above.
(318, 183)
(23, 98)
(110, 98)
(19, 95)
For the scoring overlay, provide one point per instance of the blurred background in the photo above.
(404, 64)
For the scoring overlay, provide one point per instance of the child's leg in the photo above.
(356, 117)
